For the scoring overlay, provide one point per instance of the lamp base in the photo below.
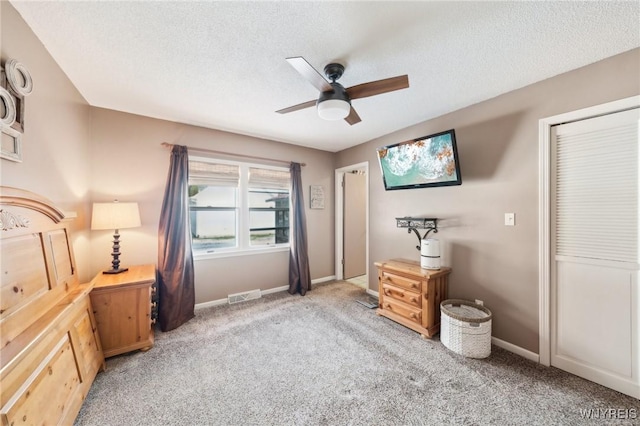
(115, 271)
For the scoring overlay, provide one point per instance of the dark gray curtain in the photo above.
(175, 261)
(299, 277)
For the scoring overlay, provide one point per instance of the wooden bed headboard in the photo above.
(50, 351)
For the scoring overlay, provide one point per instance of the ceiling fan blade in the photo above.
(378, 87)
(353, 117)
(310, 73)
(298, 107)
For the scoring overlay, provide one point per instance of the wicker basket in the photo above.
(465, 328)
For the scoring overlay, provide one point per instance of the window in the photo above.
(268, 206)
(237, 206)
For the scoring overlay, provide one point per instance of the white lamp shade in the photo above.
(115, 215)
(333, 109)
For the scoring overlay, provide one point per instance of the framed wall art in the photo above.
(316, 197)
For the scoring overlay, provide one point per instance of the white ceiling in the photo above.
(222, 64)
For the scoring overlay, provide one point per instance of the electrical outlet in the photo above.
(509, 219)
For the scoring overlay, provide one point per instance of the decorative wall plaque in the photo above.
(15, 84)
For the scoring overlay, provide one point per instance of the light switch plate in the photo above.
(509, 219)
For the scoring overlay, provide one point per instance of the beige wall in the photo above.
(129, 163)
(498, 149)
(56, 136)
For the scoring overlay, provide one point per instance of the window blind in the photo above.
(202, 173)
(269, 178)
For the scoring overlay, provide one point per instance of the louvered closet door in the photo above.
(594, 293)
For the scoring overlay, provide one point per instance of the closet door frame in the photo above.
(544, 203)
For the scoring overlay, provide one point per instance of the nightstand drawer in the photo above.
(400, 281)
(402, 295)
(409, 312)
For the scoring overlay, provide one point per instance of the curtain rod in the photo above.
(211, 151)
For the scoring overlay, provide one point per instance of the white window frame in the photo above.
(242, 223)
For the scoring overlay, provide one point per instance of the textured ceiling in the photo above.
(222, 64)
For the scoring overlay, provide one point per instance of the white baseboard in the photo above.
(323, 279)
(532, 356)
(267, 291)
(275, 289)
(373, 293)
(211, 303)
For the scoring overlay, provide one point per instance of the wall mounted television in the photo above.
(421, 163)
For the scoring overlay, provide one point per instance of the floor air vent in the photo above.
(241, 297)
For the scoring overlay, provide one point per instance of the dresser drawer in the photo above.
(409, 312)
(401, 294)
(400, 281)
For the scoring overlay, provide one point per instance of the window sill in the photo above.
(243, 252)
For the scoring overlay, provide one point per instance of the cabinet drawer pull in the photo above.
(413, 315)
(413, 300)
(387, 292)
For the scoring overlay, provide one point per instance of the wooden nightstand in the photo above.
(123, 305)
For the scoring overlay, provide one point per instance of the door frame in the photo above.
(544, 213)
(339, 216)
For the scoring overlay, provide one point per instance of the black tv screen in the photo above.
(420, 163)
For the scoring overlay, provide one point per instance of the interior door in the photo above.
(354, 229)
(594, 248)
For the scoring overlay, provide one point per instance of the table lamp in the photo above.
(115, 216)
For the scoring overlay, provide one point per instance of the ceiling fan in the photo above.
(334, 102)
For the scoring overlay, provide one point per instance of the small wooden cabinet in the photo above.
(123, 307)
(411, 295)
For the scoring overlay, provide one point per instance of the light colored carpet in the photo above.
(324, 359)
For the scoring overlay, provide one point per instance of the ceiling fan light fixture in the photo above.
(334, 109)
(334, 104)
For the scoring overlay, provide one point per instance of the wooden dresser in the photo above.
(123, 306)
(50, 350)
(411, 295)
